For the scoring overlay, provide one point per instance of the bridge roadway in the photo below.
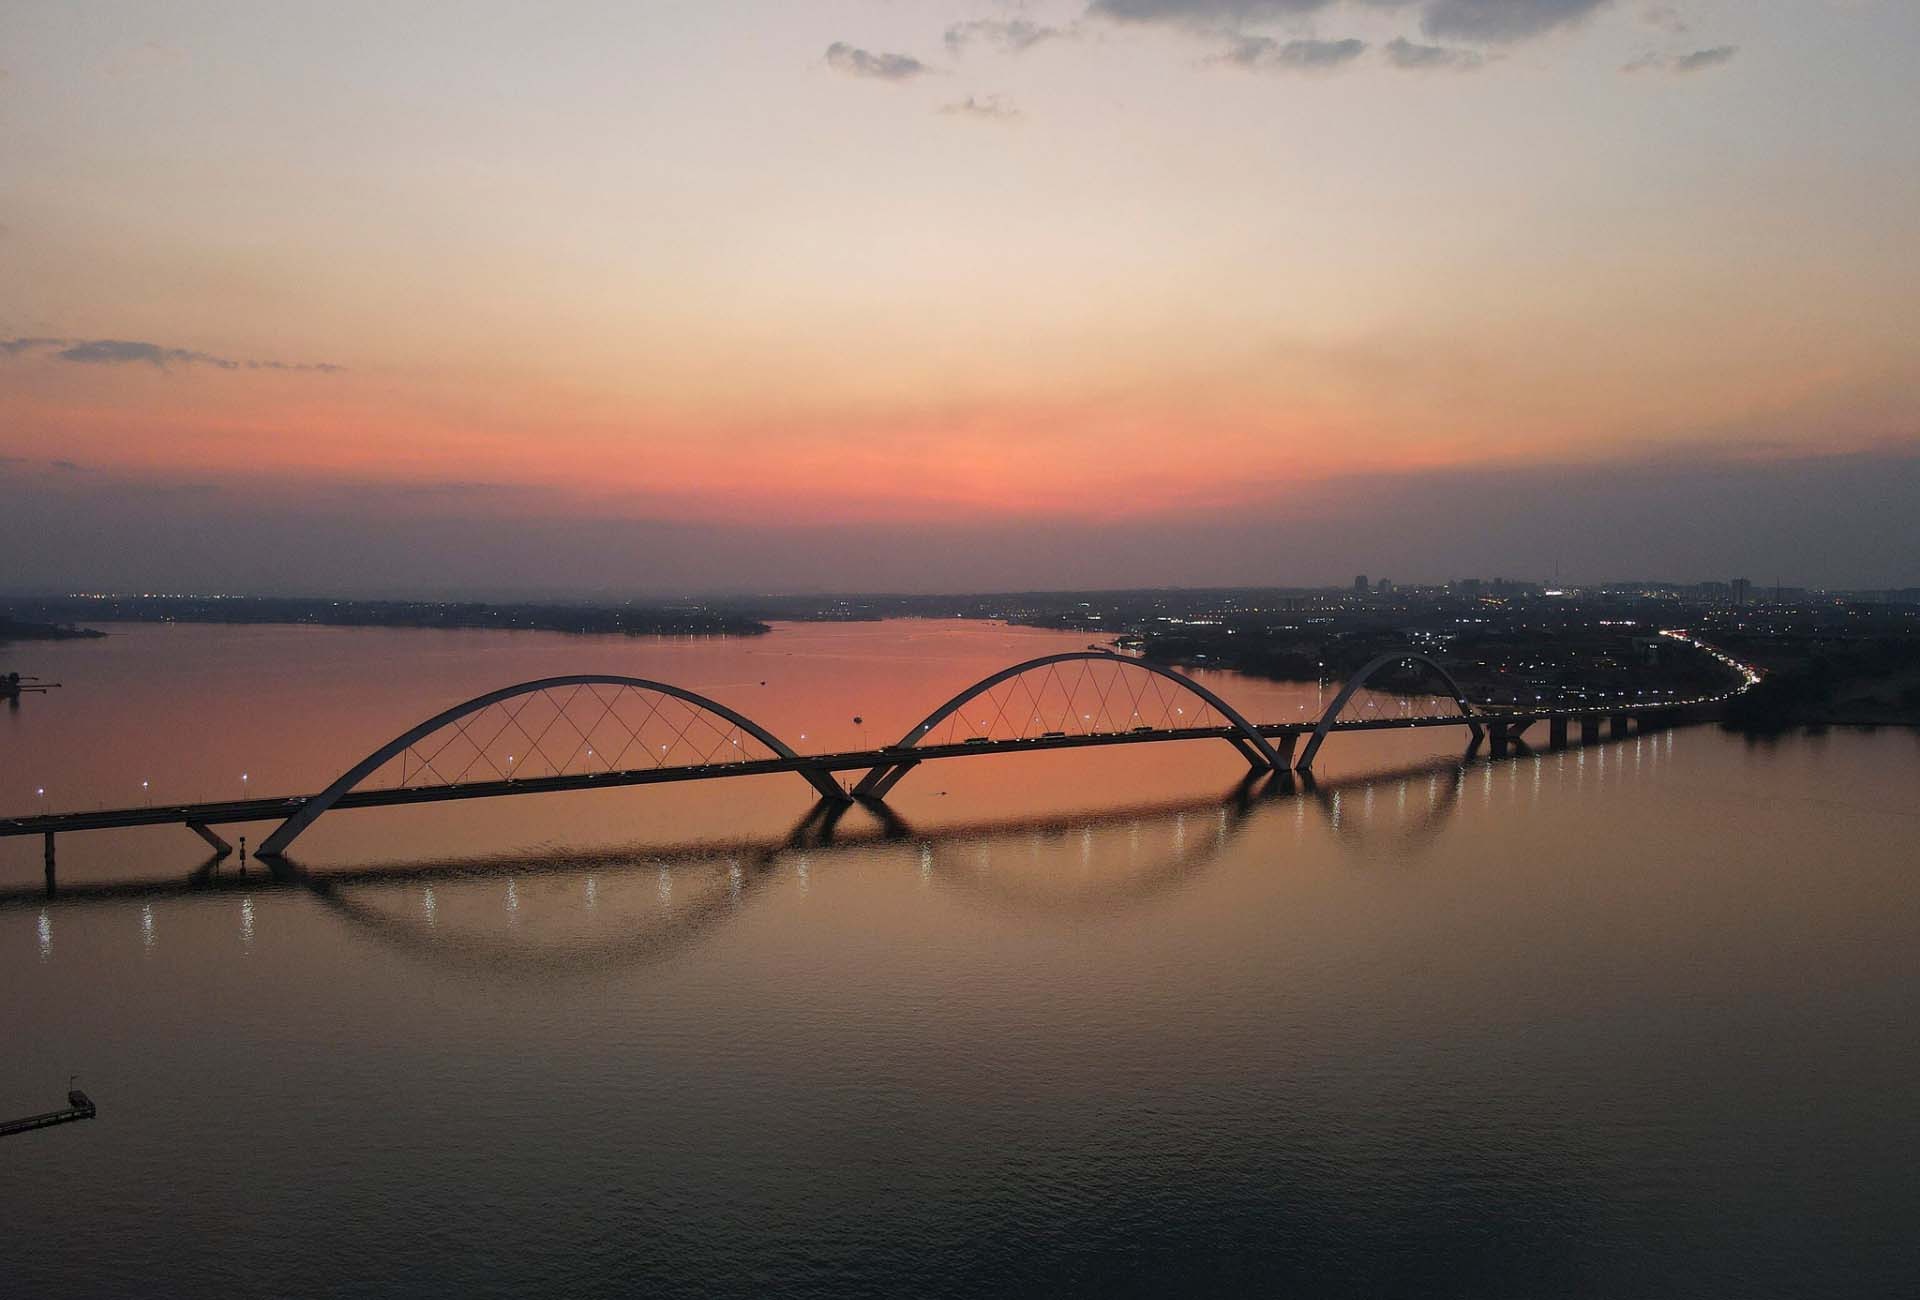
(1503, 727)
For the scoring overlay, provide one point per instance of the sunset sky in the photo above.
(948, 294)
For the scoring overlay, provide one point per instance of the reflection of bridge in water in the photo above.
(987, 863)
(600, 732)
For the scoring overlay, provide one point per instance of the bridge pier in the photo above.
(1557, 733)
(1589, 731)
(1617, 726)
(50, 878)
(1247, 752)
(1506, 733)
(875, 784)
(220, 847)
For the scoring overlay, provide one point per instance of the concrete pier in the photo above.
(79, 1106)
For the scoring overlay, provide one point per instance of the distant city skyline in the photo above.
(947, 295)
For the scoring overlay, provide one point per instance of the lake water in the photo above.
(1633, 1019)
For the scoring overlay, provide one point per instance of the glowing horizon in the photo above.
(883, 266)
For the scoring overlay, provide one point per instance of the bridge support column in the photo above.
(1557, 733)
(875, 784)
(214, 842)
(1254, 760)
(1589, 730)
(1507, 733)
(1617, 726)
(49, 862)
(1283, 748)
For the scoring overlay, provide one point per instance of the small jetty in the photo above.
(79, 1106)
(13, 686)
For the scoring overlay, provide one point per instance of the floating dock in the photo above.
(79, 1106)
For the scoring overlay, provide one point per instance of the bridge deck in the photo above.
(278, 807)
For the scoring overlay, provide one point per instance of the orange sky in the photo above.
(674, 263)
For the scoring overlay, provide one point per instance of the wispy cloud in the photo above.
(21, 464)
(1489, 22)
(988, 108)
(1205, 12)
(856, 62)
(120, 352)
(1305, 55)
(1010, 34)
(1403, 53)
(1500, 21)
(1680, 65)
(1701, 59)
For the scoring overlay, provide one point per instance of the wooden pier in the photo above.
(79, 1106)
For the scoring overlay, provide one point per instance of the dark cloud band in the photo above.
(1489, 22)
(121, 352)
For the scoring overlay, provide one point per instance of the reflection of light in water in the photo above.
(46, 935)
(428, 907)
(1133, 842)
(1220, 829)
(1086, 846)
(800, 865)
(926, 863)
(246, 923)
(1580, 770)
(1400, 798)
(733, 880)
(1535, 797)
(513, 900)
(146, 925)
(1180, 830)
(1333, 810)
(1366, 801)
(593, 893)
(1486, 785)
(666, 886)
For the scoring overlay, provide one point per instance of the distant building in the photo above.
(1361, 586)
(1742, 591)
(1383, 586)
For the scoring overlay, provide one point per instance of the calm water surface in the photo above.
(1630, 1020)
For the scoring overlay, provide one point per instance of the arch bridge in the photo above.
(594, 731)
